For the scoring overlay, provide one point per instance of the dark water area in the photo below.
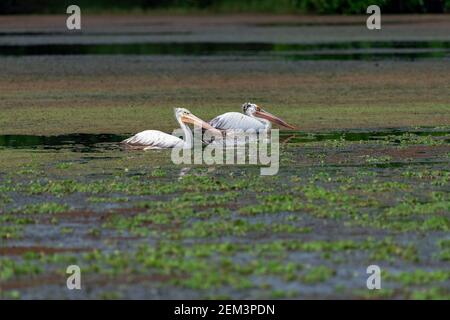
(357, 50)
(359, 135)
(80, 142)
(83, 142)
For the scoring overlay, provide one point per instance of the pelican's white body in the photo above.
(236, 120)
(154, 139)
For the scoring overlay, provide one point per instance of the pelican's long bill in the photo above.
(266, 115)
(190, 118)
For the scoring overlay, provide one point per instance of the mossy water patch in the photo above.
(300, 229)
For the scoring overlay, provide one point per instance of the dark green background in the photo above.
(227, 6)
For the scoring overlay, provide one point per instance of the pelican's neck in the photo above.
(187, 134)
(266, 123)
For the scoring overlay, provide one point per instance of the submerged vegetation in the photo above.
(228, 232)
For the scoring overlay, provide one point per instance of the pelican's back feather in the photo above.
(236, 120)
(153, 139)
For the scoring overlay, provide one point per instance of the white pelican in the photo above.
(253, 118)
(154, 139)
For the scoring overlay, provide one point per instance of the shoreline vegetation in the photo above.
(225, 6)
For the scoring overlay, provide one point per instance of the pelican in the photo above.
(154, 139)
(253, 118)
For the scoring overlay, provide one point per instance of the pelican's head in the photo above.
(253, 110)
(180, 112)
(185, 116)
(250, 108)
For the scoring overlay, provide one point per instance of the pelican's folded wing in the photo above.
(235, 120)
(153, 139)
